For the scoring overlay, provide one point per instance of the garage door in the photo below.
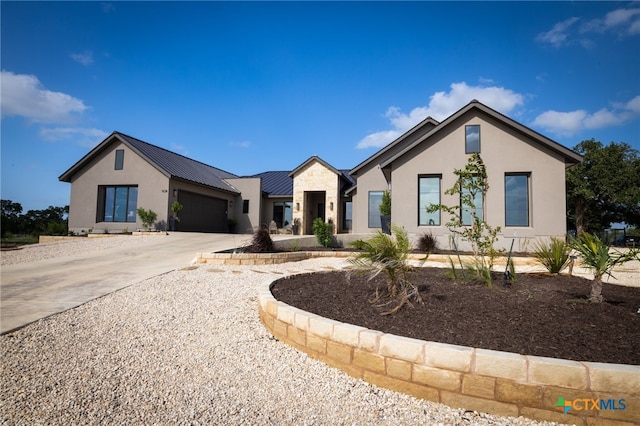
(201, 213)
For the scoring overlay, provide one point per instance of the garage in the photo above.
(201, 213)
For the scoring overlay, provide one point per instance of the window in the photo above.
(283, 213)
(245, 206)
(516, 199)
(428, 193)
(119, 159)
(375, 199)
(472, 138)
(117, 203)
(467, 211)
(348, 215)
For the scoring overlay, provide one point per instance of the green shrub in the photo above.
(387, 254)
(553, 255)
(148, 217)
(323, 232)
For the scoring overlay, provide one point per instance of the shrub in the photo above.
(261, 242)
(427, 243)
(553, 255)
(323, 232)
(147, 217)
(388, 254)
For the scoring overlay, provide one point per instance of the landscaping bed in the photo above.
(541, 314)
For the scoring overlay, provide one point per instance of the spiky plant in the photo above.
(388, 254)
(598, 256)
(553, 255)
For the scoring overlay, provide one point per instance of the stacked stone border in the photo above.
(500, 383)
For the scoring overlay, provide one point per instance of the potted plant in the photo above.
(176, 207)
(296, 226)
(385, 212)
(231, 225)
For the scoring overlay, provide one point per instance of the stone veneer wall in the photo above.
(501, 383)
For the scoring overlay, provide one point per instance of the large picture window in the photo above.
(472, 138)
(283, 213)
(117, 203)
(375, 199)
(428, 193)
(467, 211)
(516, 199)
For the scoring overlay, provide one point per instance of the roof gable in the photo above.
(313, 159)
(171, 164)
(570, 157)
(423, 127)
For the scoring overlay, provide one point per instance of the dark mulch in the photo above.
(539, 315)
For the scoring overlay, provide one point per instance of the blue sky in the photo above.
(250, 87)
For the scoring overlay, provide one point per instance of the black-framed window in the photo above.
(467, 211)
(428, 194)
(375, 199)
(472, 138)
(283, 213)
(119, 159)
(245, 206)
(117, 203)
(347, 221)
(516, 199)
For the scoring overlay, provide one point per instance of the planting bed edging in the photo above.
(501, 383)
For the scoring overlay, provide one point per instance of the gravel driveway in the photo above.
(187, 347)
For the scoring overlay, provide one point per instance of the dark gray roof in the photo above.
(171, 164)
(276, 183)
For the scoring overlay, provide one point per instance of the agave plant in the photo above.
(599, 257)
(553, 255)
(388, 254)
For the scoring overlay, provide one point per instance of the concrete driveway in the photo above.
(34, 290)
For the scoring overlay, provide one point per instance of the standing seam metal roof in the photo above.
(181, 167)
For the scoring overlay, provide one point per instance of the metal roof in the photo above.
(275, 183)
(171, 164)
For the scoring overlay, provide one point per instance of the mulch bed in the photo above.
(540, 314)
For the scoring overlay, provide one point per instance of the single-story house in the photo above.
(526, 173)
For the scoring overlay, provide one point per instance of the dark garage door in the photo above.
(201, 213)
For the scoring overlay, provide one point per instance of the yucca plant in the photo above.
(599, 257)
(388, 254)
(554, 255)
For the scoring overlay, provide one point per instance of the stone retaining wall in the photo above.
(501, 383)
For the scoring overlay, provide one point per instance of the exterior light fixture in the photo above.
(175, 193)
(331, 205)
(297, 206)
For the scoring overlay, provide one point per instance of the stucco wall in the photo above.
(503, 151)
(153, 189)
(250, 189)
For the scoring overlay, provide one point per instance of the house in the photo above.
(526, 176)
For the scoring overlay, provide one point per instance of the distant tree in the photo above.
(10, 217)
(605, 187)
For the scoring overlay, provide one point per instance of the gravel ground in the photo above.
(187, 347)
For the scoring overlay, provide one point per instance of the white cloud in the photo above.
(441, 106)
(557, 36)
(85, 58)
(242, 144)
(625, 22)
(570, 123)
(88, 137)
(23, 95)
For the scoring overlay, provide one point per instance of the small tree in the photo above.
(385, 212)
(388, 254)
(323, 232)
(598, 256)
(148, 217)
(472, 183)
